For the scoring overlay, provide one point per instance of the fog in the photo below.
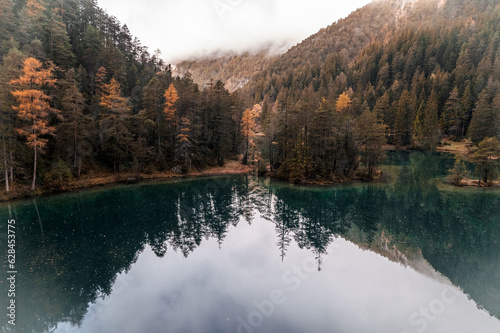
(187, 28)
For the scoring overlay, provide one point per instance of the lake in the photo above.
(242, 254)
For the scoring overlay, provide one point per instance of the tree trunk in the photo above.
(159, 134)
(159, 143)
(79, 167)
(246, 151)
(486, 172)
(271, 154)
(11, 159)
(286, 129)
(34, 169)
(101, 136)
(74, 148)
(5, 165)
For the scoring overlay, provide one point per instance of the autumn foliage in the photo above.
(343, 102)
(121, 107)
(33, 105)
(171, 98)
(248, 129)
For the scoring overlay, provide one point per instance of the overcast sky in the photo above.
(184, 28)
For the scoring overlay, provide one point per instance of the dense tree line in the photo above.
(79, 95)
(386, 74)
(426, 71)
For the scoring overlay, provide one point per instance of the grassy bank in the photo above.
(453, 147)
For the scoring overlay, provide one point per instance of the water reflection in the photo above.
(77, 250)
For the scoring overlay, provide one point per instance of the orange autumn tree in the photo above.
(343, 102)
(171, 97)
(33, 106)
(248, 128)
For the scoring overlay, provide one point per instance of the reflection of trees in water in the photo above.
(457, 232)
(90, 238)
(89, 241)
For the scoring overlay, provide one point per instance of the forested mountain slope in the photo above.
(422, 69)
(402, 72)
(79, 95)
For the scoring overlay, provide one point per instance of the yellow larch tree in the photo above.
(33, 106)
(171, 97)
(248, 128)
(343, 102)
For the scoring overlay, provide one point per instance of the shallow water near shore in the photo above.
(241, 254)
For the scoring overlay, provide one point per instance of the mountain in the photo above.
(234, 69)
(425, 69)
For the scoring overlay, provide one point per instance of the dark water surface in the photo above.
(239, 254)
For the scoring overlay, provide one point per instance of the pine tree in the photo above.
(33, 20)
(296, 166)
(482, 123)
(220, 121)
(403, 120)
(371, 138)
(59, 47)
(495, 109)
(383, 112)
(486, 157)
(101, 78)
(142, 152)
(324, 142)
(7, 25)
(154, 104)
(75, 122)
(113, 60)
(34, 107)
(92, 44)
(9, 70)
(418, 126)
(426, 131)
(96, 110)
(459, 172)
(184, 144)
(468, 106)
(454, 117)
(114, 123)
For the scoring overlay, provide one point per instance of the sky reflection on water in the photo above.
(215, 290)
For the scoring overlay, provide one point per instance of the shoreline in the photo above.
(473, 183)
(230, 168)
(23, 192)
(454, 147)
